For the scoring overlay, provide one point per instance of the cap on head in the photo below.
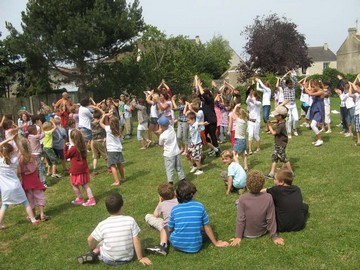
(280, 110)
(163, 121)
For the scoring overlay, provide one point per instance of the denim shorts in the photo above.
(266, 112)
(87, 133)
(240, 145)
(115, 158)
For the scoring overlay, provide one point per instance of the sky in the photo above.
(320, 21)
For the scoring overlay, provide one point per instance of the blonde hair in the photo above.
(227, 154)
(47, 126)
(25, 149)
(241, 113)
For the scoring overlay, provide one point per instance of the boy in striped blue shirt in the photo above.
(188, 220)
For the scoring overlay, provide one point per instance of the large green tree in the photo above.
(273, 45)
(79, 33)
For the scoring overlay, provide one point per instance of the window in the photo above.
(326, 65)
(303, 70)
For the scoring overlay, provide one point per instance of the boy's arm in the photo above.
(271, 224)
(272, 131)
(229, 184)
(52, 121)
(210, 234)
(138, 251)
(91, 242)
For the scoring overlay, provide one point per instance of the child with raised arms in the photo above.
(79, 170)
(114, 148)
(30, 180)
(171, 153)
(239, 147)
(281, 140)
(10, 186)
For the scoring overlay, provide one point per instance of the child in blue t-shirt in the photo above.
(187, 220)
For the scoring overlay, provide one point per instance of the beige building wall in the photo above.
(348, 56)
(318, 67)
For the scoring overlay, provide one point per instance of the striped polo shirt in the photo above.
(187, 220)
(117, 234)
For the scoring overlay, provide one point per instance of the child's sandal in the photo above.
(87, 258)
(44, 218)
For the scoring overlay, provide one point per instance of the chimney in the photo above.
(197, 40)
(326, 47)
(352, 31)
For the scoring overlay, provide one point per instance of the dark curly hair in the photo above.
(255, 181)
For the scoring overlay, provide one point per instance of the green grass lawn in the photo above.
(328, 177)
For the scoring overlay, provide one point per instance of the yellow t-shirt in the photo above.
(48, 139)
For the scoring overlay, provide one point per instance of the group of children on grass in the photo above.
(182, 221)
(184, 224)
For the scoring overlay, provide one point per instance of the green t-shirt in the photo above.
(48, 139)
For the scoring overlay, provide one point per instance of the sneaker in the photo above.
(269, 175)
(56, 175)
(349, 134)
(36, 222)
(319, 142)
(90, 202)
(339, 125)
(289, 137)
(329, 131)
(342, 132)
(296, 134)
(218, 152)
(193, 169)
(198, 172)
(212, 153)
(306, 125)
(157, 250)
(78, 201)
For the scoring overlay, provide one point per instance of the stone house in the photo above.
(348, 55)
(322, 58)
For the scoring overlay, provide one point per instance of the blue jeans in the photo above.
(223, 133)
(266, 113)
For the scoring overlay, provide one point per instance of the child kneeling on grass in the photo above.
(187, 221)
(256, 212)
(291, 212)
(167, 201)
(114, 239)
(235, 177)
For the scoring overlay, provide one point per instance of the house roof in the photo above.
(319, 54)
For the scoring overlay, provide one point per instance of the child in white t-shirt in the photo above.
(114, 239)
(171, 154)
(114, 147)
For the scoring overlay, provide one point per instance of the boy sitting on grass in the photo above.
(114, 239)
(291, 212)
(167, 201)
(187, 221)
(256, 212)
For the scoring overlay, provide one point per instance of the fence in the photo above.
(32, 104)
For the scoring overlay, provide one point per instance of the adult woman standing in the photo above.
(209, 113)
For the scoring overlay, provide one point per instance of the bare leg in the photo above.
(273, 167)
(115, 175)
(121, 170)
(288, 166)
(242, 154)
